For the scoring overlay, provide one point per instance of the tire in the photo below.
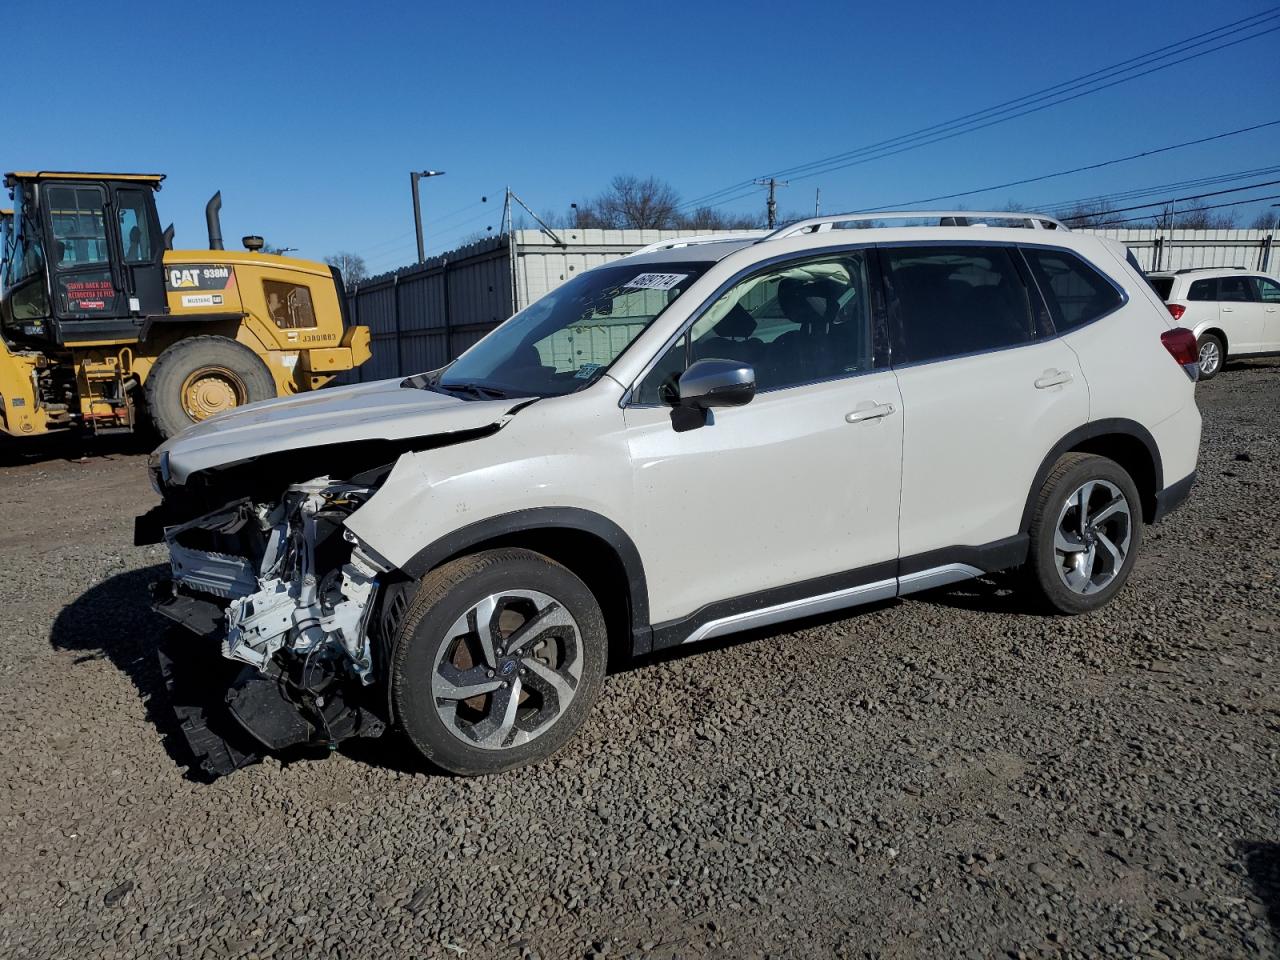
(440, 652)
(200, 376)
(1077, 581)
(1212, 355)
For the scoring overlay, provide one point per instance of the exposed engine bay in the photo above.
(289, 594)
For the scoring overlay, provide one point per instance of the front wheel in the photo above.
(498, 661)
(1085, 533)
(1212, 356)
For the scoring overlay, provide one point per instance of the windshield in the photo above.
(568, 339)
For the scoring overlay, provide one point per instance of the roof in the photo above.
(11, 178)
(867, 227)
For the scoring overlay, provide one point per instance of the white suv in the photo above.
(1233, 313)
(674, 446)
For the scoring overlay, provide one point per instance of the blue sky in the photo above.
(309, 117)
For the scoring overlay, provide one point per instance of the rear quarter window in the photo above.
(1163, 286)
(1077, 293)
(1203, 290)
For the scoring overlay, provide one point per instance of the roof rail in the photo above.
(1178, 273)
(957, 218)
(676, 242)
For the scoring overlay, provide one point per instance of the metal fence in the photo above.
(422, 316)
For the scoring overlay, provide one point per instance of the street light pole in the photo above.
(414, 177)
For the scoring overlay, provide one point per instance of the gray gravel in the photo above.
(944, 777)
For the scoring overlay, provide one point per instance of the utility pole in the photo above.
(817, 200)
(772, 204)
(414, 177)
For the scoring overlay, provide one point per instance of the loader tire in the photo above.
(202, 376)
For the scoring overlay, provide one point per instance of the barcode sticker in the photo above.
(656, 281)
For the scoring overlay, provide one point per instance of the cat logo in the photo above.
(199, 277)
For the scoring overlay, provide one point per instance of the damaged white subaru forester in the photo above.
(701, 438)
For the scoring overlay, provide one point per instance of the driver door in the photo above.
(791, 497)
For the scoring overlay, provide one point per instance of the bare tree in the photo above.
(632, 203)
(1092, 215)
(1265, 220)
(709, 218)
(351, 265)
(1195, 216)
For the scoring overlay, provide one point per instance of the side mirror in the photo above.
(711, 383)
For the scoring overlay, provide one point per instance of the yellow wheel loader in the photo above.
(102, 327)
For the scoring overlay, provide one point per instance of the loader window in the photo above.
(289, 304)
(135, 226)
(79, 222)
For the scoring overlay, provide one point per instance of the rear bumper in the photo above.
(1173, 496)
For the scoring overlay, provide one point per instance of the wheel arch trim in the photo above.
(548, 518)
(1096, 430)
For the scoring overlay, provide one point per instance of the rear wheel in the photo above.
(1085, 533)
(202, 376)
(1212, 355)
(498, 662)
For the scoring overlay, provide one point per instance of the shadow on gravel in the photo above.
(1262, 863)
(991, 594)
(73, 446)
(113, 620)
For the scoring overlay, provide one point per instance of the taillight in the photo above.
(1176, 310)
(1181, 344)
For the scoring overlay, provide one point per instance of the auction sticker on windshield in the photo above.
(656, 281)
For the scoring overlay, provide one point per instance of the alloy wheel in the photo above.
(508, 669)
(1210, 357)
(1092, 538)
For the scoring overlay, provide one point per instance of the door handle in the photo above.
(1053, 378)
(1271, 309)
(1228, 309)
(869, 411)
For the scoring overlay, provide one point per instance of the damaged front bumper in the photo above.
(288, 595)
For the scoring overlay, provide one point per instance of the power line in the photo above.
(1198, 196)
(1216, 206)
(1059, 93)
(1066, 206)
(1081, 169)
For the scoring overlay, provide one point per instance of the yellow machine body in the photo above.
(289, 313)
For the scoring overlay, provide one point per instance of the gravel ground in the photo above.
(947, 776)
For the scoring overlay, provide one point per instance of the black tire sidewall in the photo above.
(1043, 557)
(1222, 354)
(178, 362)
(419, 642)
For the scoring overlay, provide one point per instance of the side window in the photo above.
(1268, 290)
(1234, 289)
(1203, 290)
(289, 304)
(79, 226)
(956, 300)
(1076, 292)
(134, 226)
(794, 324)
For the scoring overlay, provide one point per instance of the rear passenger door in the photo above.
(1269, 296)
(1240, 315)
(987, 389)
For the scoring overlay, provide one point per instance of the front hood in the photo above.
(369, 411)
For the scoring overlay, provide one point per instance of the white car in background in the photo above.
(671, 447)
(1232, 311)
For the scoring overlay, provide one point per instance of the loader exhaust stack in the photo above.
(211, 218)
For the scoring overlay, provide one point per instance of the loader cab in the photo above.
(85, 262)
